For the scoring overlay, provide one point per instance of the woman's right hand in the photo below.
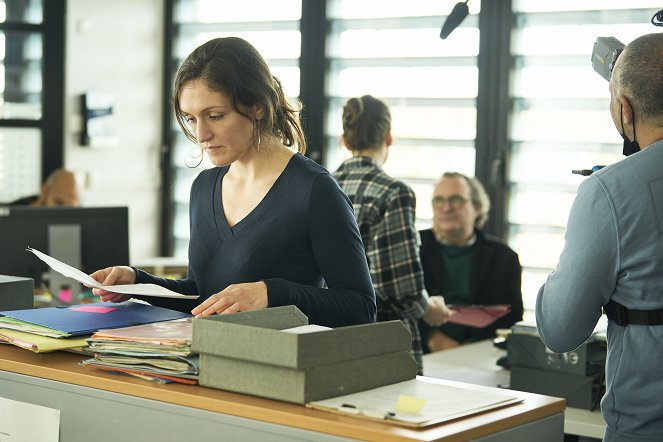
(113, 276)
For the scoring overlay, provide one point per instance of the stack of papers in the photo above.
(58, 328)
(52, 328)
(159, 351)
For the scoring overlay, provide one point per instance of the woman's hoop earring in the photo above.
(257, 124)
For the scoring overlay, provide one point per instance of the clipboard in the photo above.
(441, 403)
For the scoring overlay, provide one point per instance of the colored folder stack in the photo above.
(56, 328)
(159, 351)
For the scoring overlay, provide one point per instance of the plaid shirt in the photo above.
(385, 212)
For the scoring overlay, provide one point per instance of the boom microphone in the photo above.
(458, 14)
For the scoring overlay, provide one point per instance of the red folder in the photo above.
(478, 316)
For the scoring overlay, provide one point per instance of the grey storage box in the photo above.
(248, 353)
(527, 350)
(579, 391)
(16, 293)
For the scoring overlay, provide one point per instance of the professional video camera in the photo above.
(607, 49)
(604, 55)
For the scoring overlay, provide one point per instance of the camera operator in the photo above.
(613, 254)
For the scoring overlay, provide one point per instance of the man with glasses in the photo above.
(465, 265)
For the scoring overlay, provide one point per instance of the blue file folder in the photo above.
(86, 319)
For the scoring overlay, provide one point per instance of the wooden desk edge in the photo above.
(64, 367)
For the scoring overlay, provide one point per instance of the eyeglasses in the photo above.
(455, 201)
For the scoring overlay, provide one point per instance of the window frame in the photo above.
(493, 143)
(491, 137)
(51, 123)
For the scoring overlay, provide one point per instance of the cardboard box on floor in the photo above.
(248, 353)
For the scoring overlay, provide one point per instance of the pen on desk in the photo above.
(352, 409)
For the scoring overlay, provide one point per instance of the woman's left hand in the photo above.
(234, 298)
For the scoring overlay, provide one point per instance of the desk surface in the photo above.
(64, 367)
(476, 364)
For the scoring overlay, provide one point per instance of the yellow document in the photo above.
(41, 344)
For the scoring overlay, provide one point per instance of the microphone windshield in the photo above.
(458, 14)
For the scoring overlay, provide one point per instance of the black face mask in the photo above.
(630, 147)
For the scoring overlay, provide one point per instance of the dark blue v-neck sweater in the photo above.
(302, 235)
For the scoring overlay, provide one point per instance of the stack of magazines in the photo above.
(159, 352)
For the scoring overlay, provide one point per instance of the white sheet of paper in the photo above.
(127, 289)
(20, 421)
(311, 328)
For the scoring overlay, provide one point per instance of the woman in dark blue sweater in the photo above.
(269, 227)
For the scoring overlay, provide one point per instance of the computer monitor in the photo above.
(88, 238)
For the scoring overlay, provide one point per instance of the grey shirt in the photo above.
(614, 250)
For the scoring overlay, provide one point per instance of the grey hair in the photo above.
(639, 77)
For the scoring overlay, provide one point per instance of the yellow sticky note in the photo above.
(409, 404)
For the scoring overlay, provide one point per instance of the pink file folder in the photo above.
(478, 316)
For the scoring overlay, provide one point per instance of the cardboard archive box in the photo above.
(579, 391)
(527, 350)
(577, 376)
(248, 353)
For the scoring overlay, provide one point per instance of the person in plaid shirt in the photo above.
(385, 212)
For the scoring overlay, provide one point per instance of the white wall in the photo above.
(116, 46)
